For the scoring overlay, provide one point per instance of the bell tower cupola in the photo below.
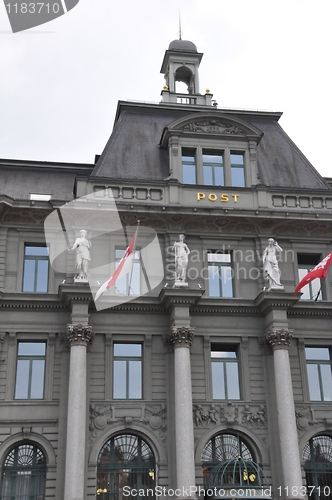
(180, 64)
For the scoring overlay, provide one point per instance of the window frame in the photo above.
(36, 259)
(318, 363)
(220, 265)
(127, 360)
(31, 358)
(308, 267)
(226, 149)
(213, 165)
(224, 360)
(187, 152)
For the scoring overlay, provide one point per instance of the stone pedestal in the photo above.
(78, 337)
(291, 466)
(182, 338)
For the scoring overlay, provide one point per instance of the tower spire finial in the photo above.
(180, 31)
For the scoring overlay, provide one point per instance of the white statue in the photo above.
(181, 261)
(82, 246)
(271, 266)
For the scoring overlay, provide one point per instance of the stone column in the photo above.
(279, 339)
(182, 338)
(78, 337)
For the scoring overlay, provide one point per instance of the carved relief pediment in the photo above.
(214, 127)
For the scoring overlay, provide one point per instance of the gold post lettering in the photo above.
(212, 197)
(235, 196)
(200, 196)
(224, 197)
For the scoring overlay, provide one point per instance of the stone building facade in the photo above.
(224, 383)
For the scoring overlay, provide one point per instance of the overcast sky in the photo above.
(60, 82)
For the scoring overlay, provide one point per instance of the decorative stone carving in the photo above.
(181, 252)
(213, 126)
(229, 413)
(155, 417)
(271, 266)
(100, 416)
(79, 334)
(304, 418)
(256, 419)
(82, 246)
(181, 336)
(279, 339)
(205, 417)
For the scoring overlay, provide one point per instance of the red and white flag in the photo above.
(317, 272)
(123, 268)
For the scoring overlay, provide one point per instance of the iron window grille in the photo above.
(317, 464)
(24, 474)
(125, 461)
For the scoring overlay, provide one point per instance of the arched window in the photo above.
(228, 462)
(317, 460)
(24, 474)
(126, 462)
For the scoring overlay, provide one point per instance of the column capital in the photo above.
(79, 334)
(279, 339)
(182, 336)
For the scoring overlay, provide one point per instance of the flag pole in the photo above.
(132, 262)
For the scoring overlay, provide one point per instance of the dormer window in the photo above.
(188, 166)
(237, 169)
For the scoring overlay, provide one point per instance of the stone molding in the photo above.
(279, 339)
(79, 334)
(182, 336)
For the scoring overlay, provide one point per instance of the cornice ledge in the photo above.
(30, 301)
(226, 306)
(312, 308)
(267, 301)
(172, 297)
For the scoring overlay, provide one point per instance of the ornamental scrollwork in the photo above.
(213, 126)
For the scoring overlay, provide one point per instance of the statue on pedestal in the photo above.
(271, 266)
(181, 261)
(82, 246)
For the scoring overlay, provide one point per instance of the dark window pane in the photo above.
(38, 251)
(22, 379)
(188, 174)
(29, 276)
(232, 374)
(237, 159)
(207, 175)
(119, 380)
(315, 394)
(326, 382)
(317, 353)
(135, 379)
(37, 379)
(31, 348)
(219, 176)
(214, 281)
(42, 276)
(218, 382)
(238, 179)
(127, 350)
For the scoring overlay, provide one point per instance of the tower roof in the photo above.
(182, 46)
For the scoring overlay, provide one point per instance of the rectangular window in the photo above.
(188, 166)
(237, 169)
(213, 168)
(319, 367)
(35, 274)
(127, 371)
(30, 370)
(131, 281)
(225, 372)
(313, 290)
(220, 274)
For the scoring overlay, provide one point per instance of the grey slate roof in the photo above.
(18, 179)
(133, 151)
